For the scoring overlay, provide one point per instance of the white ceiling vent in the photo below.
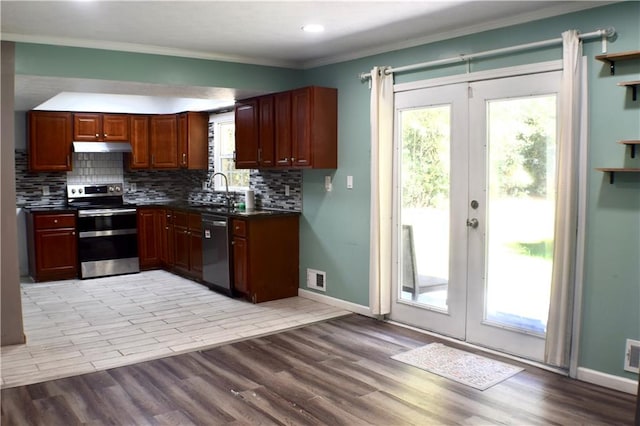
(632, 356)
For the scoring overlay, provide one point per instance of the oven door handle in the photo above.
(105, 212)
(108, 233)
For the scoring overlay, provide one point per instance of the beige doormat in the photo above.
(463, 367)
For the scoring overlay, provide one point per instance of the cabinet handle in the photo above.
(233, 243)
(184, 158)
(97, 135)
(105, 135)
(55, 220)
(73, 232)
(293, 159)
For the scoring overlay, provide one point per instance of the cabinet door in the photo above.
(193, 140)
(50, 137)
(181, 247)
(87, 127)
(139, 157)
(267, 131)
(301, 124)
(195, 253)
(283, 129)
(115, 127)
(164, 141)
(167, 238)
(149, 237)
(240, 265)
(247, 135)
(56, 253)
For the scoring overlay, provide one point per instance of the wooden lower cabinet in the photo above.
(182, 243)
(52, 245)
(265, 257)
(150, 230)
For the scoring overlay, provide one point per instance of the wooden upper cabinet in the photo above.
(193, 140)
(314, 123)
(50, 138)
(140, 155)
(266, 131)
(97, 127)
(299, 128)
(163, 141)
(283, 129)
(247, 134)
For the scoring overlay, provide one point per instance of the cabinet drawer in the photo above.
(49, 221)
(239, 228)
(195, 222)
(180, 219)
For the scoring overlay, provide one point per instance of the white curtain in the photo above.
(381, 191)
(571, 114)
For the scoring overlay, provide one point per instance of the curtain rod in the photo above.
(604, 33)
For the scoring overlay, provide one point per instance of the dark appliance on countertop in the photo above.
(107, 230)
(216, 272)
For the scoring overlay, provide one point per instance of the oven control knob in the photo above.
(118, 189)
(111, 189)
(73, 191)
(80, 190)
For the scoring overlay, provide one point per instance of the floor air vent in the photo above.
(316, 280)
(632, 356)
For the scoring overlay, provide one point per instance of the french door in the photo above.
(475, 197)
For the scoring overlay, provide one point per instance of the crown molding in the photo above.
(147, 49)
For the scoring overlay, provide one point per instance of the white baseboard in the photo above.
(610, 381)
(338, 303)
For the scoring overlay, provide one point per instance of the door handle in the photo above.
(472, 223)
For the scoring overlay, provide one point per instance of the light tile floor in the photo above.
(81, 326)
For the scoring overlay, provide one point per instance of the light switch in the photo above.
(286, 190)
(349, 182)
(45, 190)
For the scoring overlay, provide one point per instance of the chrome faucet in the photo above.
(226, 187)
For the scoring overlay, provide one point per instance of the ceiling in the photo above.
(256, 32)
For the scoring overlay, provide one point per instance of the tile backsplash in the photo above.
(151, 185)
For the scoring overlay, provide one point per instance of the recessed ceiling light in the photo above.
(313, 28)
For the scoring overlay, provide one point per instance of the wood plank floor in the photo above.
(81, 326)
(337, 372)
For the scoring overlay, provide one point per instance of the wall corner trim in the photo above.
(332, 301)
(610, 381)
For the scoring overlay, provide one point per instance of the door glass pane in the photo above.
(520, 214)
(425, 180)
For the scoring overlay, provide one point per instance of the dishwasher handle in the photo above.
(219, 223)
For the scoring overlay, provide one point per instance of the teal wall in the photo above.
(59, 61)
(335, 225)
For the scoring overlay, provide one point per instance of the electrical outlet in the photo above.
(327, 184)
(204, 186)
(286, 190)
(45, 190)
(349, 182)
(133, 187)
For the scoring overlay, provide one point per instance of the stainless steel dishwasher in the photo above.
(216, 272)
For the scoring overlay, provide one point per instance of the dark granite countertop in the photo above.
(49, 208)
(218, 209)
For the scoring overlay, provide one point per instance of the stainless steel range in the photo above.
(107, 230)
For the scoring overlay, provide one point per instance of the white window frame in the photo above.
(220, 120)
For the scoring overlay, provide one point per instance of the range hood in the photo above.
(102, 147)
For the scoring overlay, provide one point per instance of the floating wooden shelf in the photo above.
(634, 86)
(611, 58)
(632, 144)
(613, 170)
